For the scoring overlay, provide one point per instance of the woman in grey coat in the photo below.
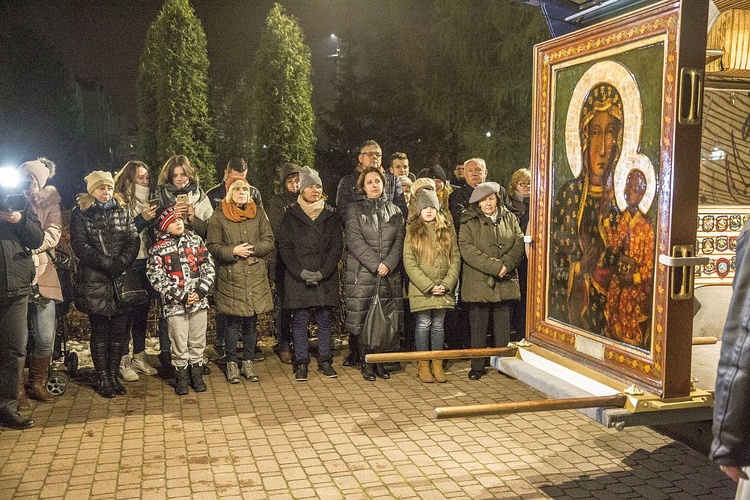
(491, 245)
(374, 240)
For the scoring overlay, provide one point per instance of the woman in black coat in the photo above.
(104, 239)
(374, 240)
(310, 243)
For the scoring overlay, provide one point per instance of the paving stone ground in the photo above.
(336, 438)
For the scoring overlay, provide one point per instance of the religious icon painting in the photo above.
(608, 132)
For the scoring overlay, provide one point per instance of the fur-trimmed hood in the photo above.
(45, 197)
(86, 201)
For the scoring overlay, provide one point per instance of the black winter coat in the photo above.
(92, 230)
(277, 207)
(17, 268)
(731, 427)
(374, 234)
(314, 245)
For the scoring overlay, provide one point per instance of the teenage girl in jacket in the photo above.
(432, 261)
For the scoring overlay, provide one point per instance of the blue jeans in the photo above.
(236, 326)
(429, 329)
(43, 323)
(301, 320)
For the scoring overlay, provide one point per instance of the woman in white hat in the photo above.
(104, 239)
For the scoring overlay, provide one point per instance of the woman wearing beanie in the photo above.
(45, 201)
(239, 237)
(432, 261)
(374, 241)
(310, 244)
(132, 184)
(277, 207)
(104, 239)
(491, 244)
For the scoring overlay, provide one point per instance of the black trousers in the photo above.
(479, 317)
(13, 334)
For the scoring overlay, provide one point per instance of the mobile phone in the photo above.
(154, 203)
(183, 198)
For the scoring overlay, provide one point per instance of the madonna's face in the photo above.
(602, 131)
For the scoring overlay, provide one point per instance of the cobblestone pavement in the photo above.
(336, 438)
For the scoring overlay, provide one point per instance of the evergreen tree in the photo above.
(174, 70)
(283, 118)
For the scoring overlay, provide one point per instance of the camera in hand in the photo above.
(12, 197)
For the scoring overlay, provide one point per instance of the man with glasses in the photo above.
(370, 155)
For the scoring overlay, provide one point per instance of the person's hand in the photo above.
(503, 271)
(243, 250)
(590, 258)
(193, 298)
(191, 213)
(382, 269)
(148, 213)
(734, 472)
(182, 207)
(439, 290)
(12, 217)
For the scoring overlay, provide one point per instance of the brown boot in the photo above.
(438, 372)
(423, 372)
(38, 380)
(23, 401)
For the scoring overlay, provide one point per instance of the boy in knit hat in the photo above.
(182, 271)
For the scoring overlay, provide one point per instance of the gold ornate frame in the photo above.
(660, 28)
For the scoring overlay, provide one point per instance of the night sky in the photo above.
(103, 39)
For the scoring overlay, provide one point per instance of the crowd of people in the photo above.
(434, 252)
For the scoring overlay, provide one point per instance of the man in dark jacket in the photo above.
(19, 233)
(370, 155)
(236, 167)
(277, 207)
(731, 428)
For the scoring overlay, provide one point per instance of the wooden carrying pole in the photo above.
(527, 406)
(395, 357)
(704, 340)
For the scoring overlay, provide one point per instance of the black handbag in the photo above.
(65, 268)
(381, 324)
(128, 289)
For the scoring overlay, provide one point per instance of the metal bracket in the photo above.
(690, 96)
(681, 275)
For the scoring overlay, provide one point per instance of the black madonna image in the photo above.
(602, 242)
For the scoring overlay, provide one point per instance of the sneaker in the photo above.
(248, 371)
(141, 365)
(301, 374)
(126, 370)
(327, 370)
(233, 373)
(259, 355)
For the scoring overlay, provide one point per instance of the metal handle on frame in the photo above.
(690, 96)
(681, 275)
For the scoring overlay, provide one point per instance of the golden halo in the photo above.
(617, 75)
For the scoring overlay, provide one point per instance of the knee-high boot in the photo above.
(23, 401)
(99, 357)
(352, 359)
(114, 354)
